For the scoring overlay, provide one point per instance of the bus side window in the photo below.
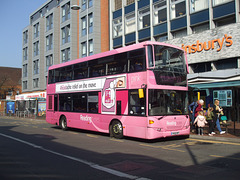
(136, 105)
(137, 60)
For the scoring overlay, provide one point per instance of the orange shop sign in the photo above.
(210, 45)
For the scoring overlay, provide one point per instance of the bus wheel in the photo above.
(117, 129)
(63, 123)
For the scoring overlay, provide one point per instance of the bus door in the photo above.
(55, 106)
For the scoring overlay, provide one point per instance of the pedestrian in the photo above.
(199, 107)
(210, 121)
(192, 108)
(217, 110)
(200, 121)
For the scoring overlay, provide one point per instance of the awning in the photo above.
(214, 85)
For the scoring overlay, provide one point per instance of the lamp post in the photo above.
(77, 8)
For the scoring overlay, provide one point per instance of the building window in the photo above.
(90, 3)
(160, 12)
(144, 18)
(66, 54)
(201, 67)
(36, 48)
(66, 34)
(217, 2)
(24, 85)
(49, 22)
(130, 2)
(161, 38)
(36, 83)
(197, 5)
(84, 49)
(118, 4)
(66, 12)
(90, 23)
(49, 42)
(179, 34)
(49, 61)
(177, 8)
(226, 64)
(200, 28)
(25, 37)
(25, 54)
(36, 30)
(117, 27)
(225, 21)
(130, 23)
(84, 5)
(36, 67)
(25, 70)
(84, 26)
(90, 47)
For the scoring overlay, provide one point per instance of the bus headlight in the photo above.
(151, 121)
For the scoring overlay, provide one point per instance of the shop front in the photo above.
(214, 67)
(222, 85)
(31, 104)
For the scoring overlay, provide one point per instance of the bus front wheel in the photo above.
(116, 129)
(63, 123)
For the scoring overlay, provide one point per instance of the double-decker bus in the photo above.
(138, 91)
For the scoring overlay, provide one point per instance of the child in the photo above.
(210, 116)
(201, 121)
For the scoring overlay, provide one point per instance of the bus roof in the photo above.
(111, 52)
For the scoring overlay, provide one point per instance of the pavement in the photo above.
(232, 135)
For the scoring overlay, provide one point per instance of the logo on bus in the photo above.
(86, 118)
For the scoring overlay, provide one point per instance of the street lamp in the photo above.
(75, 7)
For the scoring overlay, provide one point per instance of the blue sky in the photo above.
(14, 18)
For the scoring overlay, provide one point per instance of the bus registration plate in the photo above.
(175, 133)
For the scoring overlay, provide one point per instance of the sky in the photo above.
(14, 18)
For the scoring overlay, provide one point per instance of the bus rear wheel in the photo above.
(63, 123)
(117, 129)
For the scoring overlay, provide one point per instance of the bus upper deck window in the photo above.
(150, 56)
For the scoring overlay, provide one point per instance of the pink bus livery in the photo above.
(138, 91)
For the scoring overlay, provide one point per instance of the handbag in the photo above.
(223, 118)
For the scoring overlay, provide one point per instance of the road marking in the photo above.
(93, 136)
(46, 128)
(117, 140)
(225, 157)
(215, 142)
(167, 147)
(90, 164)
(73, 133)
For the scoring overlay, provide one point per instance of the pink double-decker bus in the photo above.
(138, 90)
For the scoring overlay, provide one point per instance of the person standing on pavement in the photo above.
(192, 108)
(217, 110)
(210, 121)
(199, 107)
(200, 121)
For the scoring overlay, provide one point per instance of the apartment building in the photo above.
(208, 30)
(57, 33)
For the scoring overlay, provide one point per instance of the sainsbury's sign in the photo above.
(210, 45)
